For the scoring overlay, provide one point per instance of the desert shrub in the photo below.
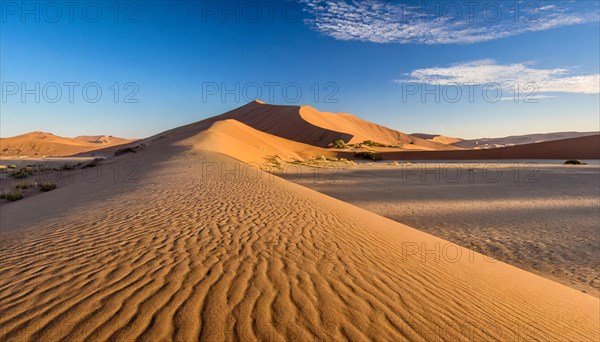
(93, 163)
(41, 167)
(25, 185)
(574, 162)
(12, 166)
(12, 196)
(368, 155)
(373, 143)
(124, 151)
(22, 172)
(47, 186)
(339, 144)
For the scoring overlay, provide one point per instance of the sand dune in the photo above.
(39, 144)
(102, 139)
(307, 125)
(256, 132)
(362, 130)
(587, 147)
(247, 144)
(439, 138)
(193, 246)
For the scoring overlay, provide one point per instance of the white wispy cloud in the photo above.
(535, 98)
(487, 71)
(440, 22)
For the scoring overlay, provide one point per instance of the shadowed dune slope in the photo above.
(39, 144)
(587, 147)
(285, 122)
(520, 139)
(187, 254)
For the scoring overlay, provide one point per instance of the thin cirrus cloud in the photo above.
(488, 71)
(439, 22)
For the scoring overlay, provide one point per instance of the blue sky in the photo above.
(162, 64)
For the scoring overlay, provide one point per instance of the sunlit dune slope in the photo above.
(247, 144)
(445, 140)
(437, 138)
(362, 130)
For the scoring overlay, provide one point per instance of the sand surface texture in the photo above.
(542, 218)
(194, 246)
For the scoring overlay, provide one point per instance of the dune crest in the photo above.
(250, 145)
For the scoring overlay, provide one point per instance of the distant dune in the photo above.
(194, 246)
(587, 147)
(40, 144)
(519, 139)
(438, 138)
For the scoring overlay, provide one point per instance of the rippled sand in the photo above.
(189, 252)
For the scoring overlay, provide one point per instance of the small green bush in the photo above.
(93, 163)
(22, 172)
(125, 151)
(574, 162)
(339, 144)
(12, 196)
(372, 143)
(47, 186)
(25, 185)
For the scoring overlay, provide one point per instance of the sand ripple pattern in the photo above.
(184, 257)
